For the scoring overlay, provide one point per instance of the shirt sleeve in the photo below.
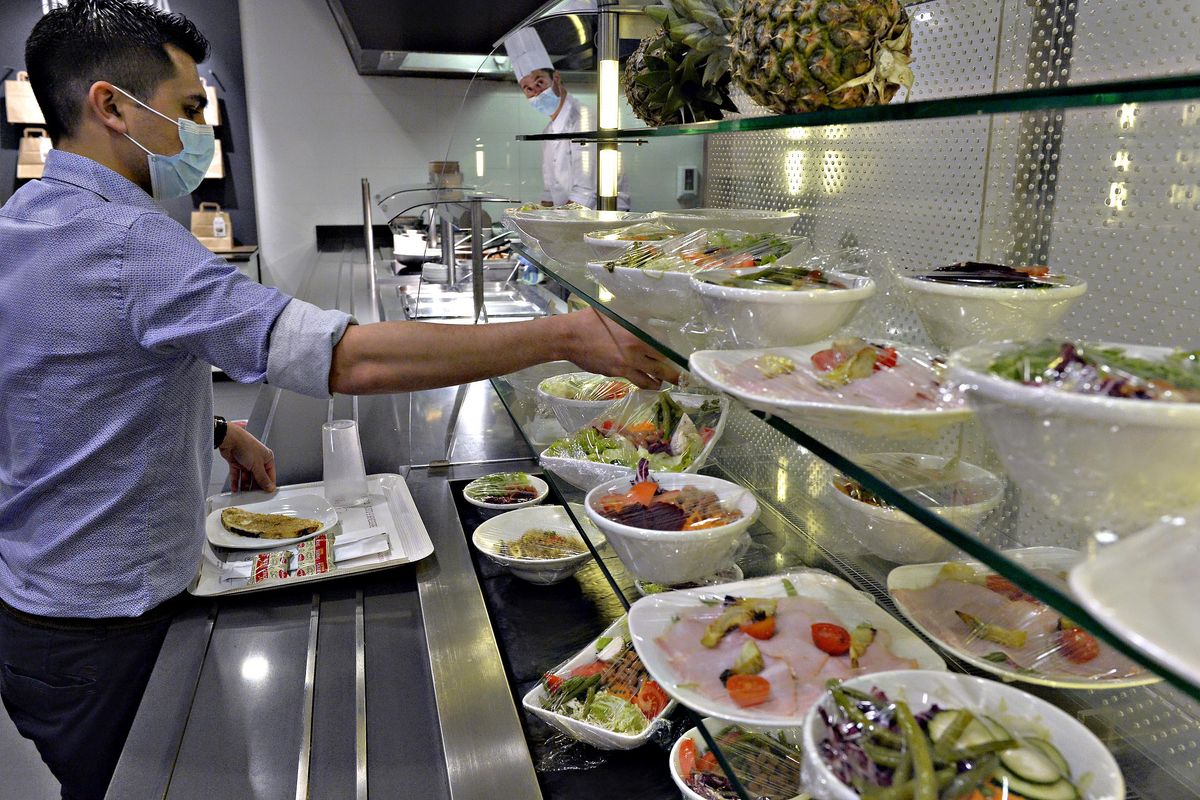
(180, 298)
(301, 350)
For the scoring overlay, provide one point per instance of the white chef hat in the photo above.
(526, 52)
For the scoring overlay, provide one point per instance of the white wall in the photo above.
(317, 127)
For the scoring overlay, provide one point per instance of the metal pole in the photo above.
(448, 246)
(369, 241)
(606, 50)
(477, 255)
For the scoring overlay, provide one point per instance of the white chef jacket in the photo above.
(569, 168)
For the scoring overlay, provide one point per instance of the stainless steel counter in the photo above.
(388, 685)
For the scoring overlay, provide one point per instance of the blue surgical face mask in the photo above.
(546, 102)
(180, 174)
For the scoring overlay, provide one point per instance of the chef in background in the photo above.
(568, 168)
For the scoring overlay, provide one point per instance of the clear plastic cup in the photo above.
(344, 475)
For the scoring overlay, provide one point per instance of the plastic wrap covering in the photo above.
(984, 619)
(607, 245)
(673, 432)
(1104, 437)
(576, 398)
(603, 695)
(877, 387)
(559, 232)
(766, 763)
(652, 280)
(969, 302)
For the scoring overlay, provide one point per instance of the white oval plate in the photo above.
(539, 485)
(312, 506)
(653, 615)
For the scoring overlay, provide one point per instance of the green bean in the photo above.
(918, 747)
(970, 780)
(944, 744)
(976, 750)
(852, 711)
(883, 756)
(587, 704)
(904, 770)
(908, 789)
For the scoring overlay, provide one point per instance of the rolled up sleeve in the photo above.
(301, 349)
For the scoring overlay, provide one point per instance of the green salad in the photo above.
(1107, 371)
(706, 249)
(659, 432)
(586, 386)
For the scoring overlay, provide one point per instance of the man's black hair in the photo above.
(122, 41)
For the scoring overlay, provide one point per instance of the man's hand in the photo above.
(600, 345)
(251, 463)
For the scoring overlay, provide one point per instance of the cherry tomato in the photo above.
(826, 360)
(1004, 586)
(594, 668)
(748, 690)
(1078, 645)
(831, 639)
(651, 699)
(553, 681)
(885, 358)
(687, 758)
(707, 763)
(762, 629)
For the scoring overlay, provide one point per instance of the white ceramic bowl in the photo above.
(539, 485)
(893, 535)
(585, 731)
(573, 415)
(643, 293)
(587, 475)
(673, 557)
(749, 220)
(1099, 462)
(714, 727)
(1011, 707)
(774, 318)
(559, 232)
(513, 525)
(605, 246)
(957, 316)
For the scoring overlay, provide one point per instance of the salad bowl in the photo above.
(559, 232)
(747, 759)
(741, 219)
(957, 315)
(674, 557)
(1092, 767)
(509, 527)
(1098, 461)
(607, 245)
(576, 398)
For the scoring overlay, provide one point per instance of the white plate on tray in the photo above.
(653, 615)
(310, 506)
(1058, 559)
(835, 413)
(1133, 584)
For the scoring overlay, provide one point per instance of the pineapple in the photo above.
(681, 73)
(795, 56)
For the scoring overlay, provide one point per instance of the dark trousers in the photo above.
(73, 687)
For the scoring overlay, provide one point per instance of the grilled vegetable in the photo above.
(993, 633)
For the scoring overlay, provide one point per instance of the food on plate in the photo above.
(267, 526)
(659, 432)
(1108, 371)
(648, 505)
(771, 654)
(638, 232)
(502, 489)
(931, 485)
(986, 615)
(613, 691)
(705, 250)
(586, 386)
(849, 371)
(992, 276)
(572, 206)
(768, 766)
(779, 279)
(541, 545)
(884, 748)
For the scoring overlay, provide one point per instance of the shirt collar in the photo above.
(94, 177)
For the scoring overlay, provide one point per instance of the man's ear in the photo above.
(103, 105)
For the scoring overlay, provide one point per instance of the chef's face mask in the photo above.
(546, 102)
(180, 174)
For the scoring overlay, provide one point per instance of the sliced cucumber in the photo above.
(940, 722)
(998, 730)
(1031, 764)
(974, 734)
(1062, 789)
(1052, 753)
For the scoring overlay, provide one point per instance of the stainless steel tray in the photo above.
(391, 509)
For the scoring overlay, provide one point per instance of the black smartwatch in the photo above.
(220, 428)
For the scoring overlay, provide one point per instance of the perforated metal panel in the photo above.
(1110, 194)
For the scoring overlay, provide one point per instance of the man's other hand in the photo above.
(251, 463)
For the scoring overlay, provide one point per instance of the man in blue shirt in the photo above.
(110, 315)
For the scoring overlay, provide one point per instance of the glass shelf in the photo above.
(807, 472)
(1091, 95)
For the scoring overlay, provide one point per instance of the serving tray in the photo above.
(390, 511)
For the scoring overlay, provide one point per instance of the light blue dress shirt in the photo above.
(110, 315)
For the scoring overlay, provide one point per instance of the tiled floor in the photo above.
(24, 775)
